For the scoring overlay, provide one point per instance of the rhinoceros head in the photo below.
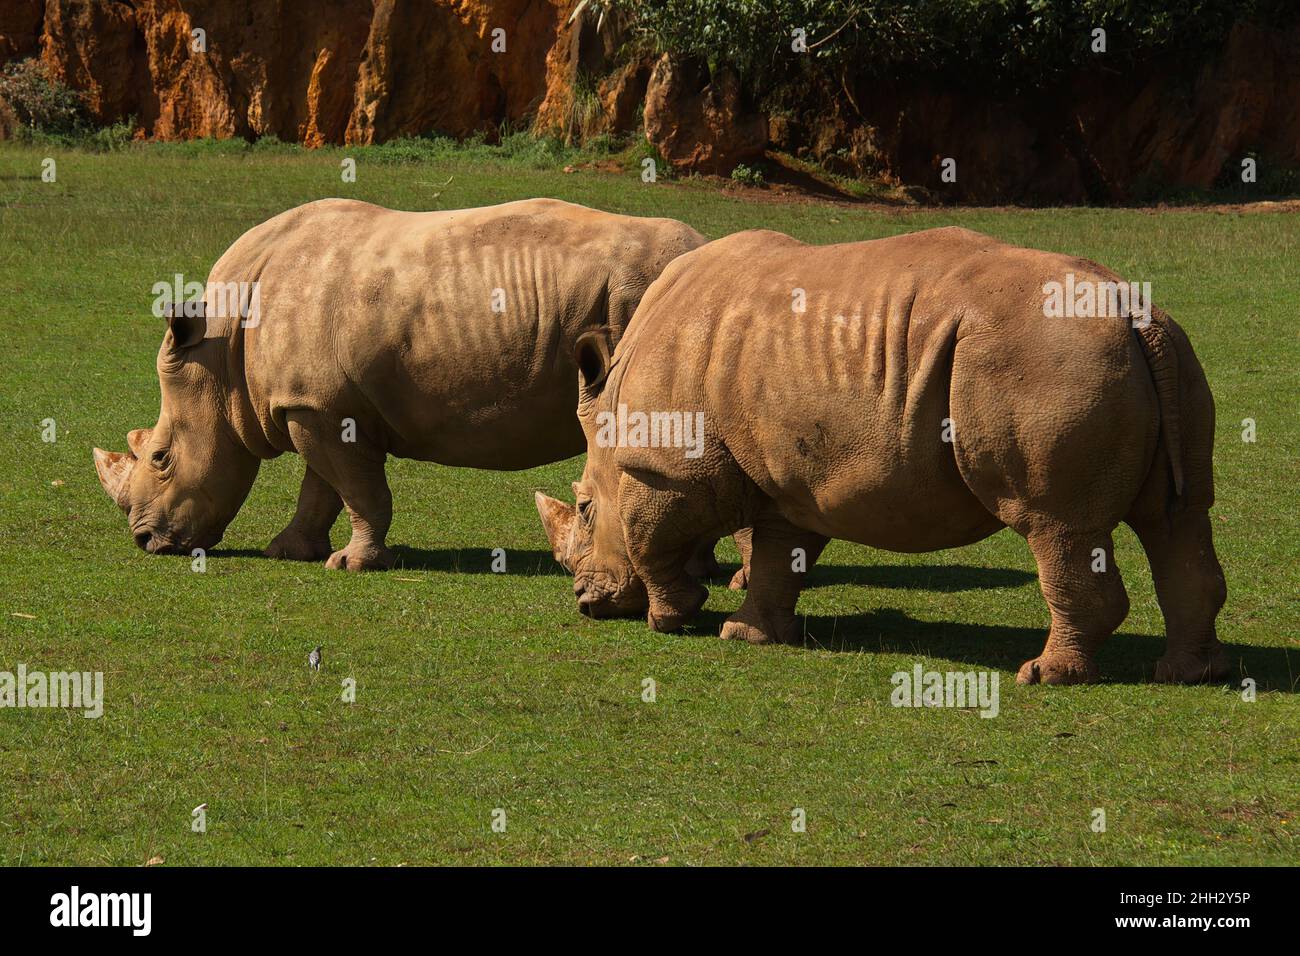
(587, 538)
(182, 481)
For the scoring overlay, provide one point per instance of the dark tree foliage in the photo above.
(1012, 42)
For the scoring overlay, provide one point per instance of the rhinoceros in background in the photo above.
(356, 332)
(923, 401)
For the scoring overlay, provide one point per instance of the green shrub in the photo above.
(605, 144)
(415, 149)
(747, 176)
(585, 114)
(641, 150)
(111, 139)
(41, 103)
(270, 143)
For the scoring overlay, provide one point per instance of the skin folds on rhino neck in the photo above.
(586, 540)
(182, 481)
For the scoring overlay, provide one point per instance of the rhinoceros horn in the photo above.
(114, 470)
(557, 519)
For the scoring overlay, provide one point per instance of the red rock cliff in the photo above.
(314, 71)
(363, 71)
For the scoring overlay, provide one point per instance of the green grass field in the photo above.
(478, 691)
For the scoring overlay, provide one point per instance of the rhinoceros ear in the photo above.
(188, 323)
(594, 353)
(137, 440)
(557, 519)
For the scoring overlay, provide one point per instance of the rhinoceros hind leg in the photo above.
(355, 470)
(1191, 590)
(370, 508)
(307, 536)
(1086, 595)
(767, 614)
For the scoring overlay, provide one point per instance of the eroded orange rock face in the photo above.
(20, 28)
(365, 71)
(1099, 137)
(1243, 100)
(89, 46)
(431, 66)
(313, 71)
(698, 121)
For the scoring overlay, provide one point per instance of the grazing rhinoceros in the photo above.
(348, 332)
(922, 401)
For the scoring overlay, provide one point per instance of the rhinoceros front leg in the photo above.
(662, 526)
(779, 559)
(307, 536)
(354, 468)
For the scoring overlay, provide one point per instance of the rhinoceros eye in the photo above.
(159, 458)
(585, 511)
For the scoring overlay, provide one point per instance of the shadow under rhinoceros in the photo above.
(527, 561)
(1124, 659)
(944, 578)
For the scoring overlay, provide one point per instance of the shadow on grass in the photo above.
(537, 562)
(526, 561)
(944, 578)
(1124, 659)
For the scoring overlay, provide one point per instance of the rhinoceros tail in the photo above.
(1161, 353)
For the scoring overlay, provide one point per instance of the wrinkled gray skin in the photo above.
(385, 319)
(922, 401)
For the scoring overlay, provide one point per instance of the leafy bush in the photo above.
(603, 144)
(202, 147)
(416, 149)
(641, 150)
(39, 102)
(747, 176)
(585, 113)
(110, 139)
(270, 143)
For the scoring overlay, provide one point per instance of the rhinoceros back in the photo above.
(448, 334)
(826, 371)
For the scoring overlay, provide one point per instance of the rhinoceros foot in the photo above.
(666, 617)
(785, 631)
(1189, 668)
(366, 557)
(1058, 668)
(293, 545)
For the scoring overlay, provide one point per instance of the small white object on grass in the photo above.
(313, 659)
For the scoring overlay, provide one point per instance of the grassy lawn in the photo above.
(478, 691)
